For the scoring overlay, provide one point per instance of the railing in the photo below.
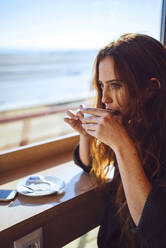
(27, 117)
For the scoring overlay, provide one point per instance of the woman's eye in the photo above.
(115, 86)
(111, 85)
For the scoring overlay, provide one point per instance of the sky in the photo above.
(74, 24)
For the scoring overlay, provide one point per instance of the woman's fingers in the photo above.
(91, 127)
(91, 133)
(75, 124)
(91, 119)
(68, 120)
(95, 111)
(72, 115)
(80, 114)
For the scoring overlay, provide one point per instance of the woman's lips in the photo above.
(116, 114)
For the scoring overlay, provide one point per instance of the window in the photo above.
(47, 49)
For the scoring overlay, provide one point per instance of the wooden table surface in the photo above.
(63, 217)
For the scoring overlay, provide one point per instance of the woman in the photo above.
(127, 129)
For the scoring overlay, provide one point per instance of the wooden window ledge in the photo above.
(64, 217)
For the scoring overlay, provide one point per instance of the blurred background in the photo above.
(47, 50)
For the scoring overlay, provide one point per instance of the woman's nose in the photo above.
(106, 97)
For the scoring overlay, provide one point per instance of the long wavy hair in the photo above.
(137, 59)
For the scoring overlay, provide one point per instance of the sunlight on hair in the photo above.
(110, 170)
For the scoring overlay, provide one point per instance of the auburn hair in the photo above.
(137, 59)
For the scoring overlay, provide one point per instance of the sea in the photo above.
(35, 78)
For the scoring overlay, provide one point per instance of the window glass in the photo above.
(47, 49)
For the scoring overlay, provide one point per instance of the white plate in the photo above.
(49, 186)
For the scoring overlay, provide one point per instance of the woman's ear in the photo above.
(153, 87)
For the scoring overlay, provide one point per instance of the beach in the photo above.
(35, 78)
(34, 81)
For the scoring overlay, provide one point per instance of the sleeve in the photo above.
(152, 224)
(77, 160)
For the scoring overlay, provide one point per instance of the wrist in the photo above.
(85, 136)
(126, 144)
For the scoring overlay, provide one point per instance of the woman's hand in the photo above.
(103, 126)
(74, 120)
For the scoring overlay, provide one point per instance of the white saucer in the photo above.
(48, 186)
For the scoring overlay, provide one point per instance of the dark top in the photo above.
(151, 230)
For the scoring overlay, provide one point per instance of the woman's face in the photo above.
(114, 93)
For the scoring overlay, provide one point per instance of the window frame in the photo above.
(30, 155)
(163, 23)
